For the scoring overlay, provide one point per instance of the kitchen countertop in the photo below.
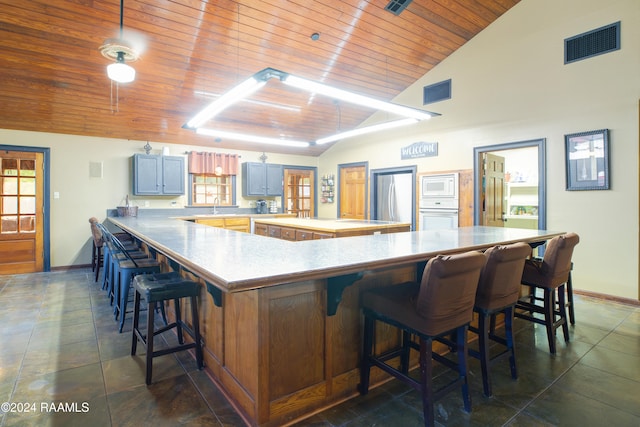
(329, 225)
(232, 215)
(235, 261)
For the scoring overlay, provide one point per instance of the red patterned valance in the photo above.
(213, 163)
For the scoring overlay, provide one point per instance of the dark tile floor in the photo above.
(59, 344)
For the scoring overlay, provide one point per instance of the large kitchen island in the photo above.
(281, 320)
(313, 228)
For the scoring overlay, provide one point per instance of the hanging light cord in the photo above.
(117, 105)
(121, 18)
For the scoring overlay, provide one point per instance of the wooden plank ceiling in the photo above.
(54, 77)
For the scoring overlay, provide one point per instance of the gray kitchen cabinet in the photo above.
(158, 175)
(261, 179)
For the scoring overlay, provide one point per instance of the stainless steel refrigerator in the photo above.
(394, 197)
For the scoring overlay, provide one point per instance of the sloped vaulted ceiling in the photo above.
(54, 77)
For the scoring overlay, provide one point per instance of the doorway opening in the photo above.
(393, 195)
(352, 186)
(24, 209)
(299, 191)
(511, 194)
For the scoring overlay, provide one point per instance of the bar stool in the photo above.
(441, 304)
(498, 292)
(569, 300)
(157, 288)
(99, 240)
(114, 251)
(125, 269)
(96, 247)
(551, 275)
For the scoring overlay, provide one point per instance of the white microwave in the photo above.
(442, 186)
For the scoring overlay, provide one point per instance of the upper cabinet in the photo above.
(158, 175)
(261, 179)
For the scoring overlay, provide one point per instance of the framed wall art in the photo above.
(587, 157)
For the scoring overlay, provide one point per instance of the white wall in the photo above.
(82, 197)
(509, 83)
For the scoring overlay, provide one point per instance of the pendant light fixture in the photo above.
(121, 52)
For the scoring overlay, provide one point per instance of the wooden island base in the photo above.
(279, 357)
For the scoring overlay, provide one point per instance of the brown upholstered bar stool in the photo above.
(96, 247)
(158, 288)
(498, 292)
(551, 275)
(440, 305)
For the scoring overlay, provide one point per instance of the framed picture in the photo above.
(587, 156)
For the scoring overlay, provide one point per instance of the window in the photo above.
(211, 190)
(17, 195)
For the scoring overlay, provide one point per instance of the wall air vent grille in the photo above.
(397, 6)
(592, 43)
(437, 92)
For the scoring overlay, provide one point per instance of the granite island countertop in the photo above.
(235, 261)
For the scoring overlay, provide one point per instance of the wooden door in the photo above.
(352, 192)
(299, 192)
(21, 212)
(494, 190)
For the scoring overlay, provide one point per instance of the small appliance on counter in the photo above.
(261, 206)
(273, 207)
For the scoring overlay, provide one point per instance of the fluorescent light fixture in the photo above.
(121, 72)
(292, 108)
(355, 98)
(367, 129)
(250, 138)
(239, 92)
(259, 79)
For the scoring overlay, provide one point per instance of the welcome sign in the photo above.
(419, 149)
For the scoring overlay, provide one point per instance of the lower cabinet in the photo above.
(317, 235)
(236, 224)
(261, 229)
(304, 235)
(289, 233)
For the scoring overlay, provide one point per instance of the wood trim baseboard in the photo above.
(613, 298)
(71, 267)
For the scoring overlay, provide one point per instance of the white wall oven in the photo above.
(439, 201)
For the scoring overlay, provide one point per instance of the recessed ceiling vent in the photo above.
(397, 6)
(437, 92)
(592, 43)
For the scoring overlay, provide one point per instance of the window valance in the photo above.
(213, 163)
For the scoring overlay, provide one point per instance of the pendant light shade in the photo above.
(121, 72)
(120, 51)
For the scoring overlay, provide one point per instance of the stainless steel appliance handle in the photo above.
(392, 196)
